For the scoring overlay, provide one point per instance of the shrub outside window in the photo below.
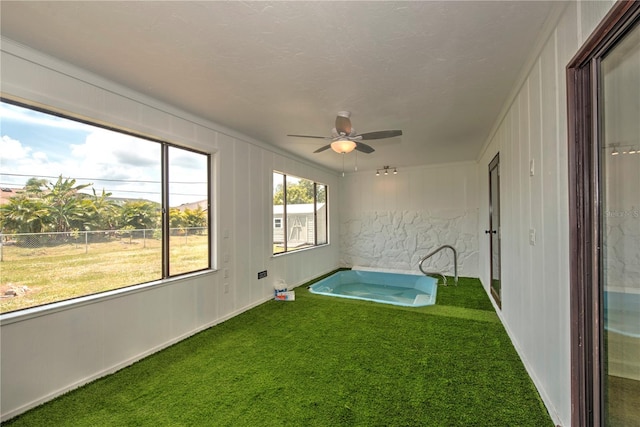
(85, 209)
(299, 213)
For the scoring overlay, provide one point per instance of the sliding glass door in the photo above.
(620, 232)
(603, 92)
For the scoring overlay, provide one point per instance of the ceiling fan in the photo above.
(344, 139)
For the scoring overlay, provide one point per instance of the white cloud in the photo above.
(121, 164)
(19, 114)
(12, 149)
(18, 161)
(40, 156)
(107, 147)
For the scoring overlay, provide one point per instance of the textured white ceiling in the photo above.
(438, 70)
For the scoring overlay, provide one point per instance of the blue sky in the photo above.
(34, 144)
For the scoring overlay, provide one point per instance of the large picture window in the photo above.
(85, 209)
(299, 213)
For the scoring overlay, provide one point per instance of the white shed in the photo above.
(300, 222)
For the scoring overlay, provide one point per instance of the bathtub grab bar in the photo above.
(455, 263)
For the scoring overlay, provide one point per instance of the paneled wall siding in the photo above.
(50, 350)
(532, 141)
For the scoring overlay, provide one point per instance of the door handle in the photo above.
(489, 231)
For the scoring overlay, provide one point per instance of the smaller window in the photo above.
(299, 213)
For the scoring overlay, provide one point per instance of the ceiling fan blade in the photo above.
(364, 148)
(321, 149)
(309, 136)
(343, 123)
(381, 134)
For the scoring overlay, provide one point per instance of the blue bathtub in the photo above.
(622, 313)
(622, 326)
(388, 288)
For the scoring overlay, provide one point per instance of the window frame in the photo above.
(284, 221)
(166, 275)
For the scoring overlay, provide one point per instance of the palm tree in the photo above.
(35, 186)
(102, 213)
(65, 205)
(176, 221)
(24, 215)
(195, 217)
(140, 214)
(299, 193)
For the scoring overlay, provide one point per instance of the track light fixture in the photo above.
(617, 149)
(386, 170)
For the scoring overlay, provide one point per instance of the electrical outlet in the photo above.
(532, 167)
(532, 236)
(262, 274)
(226, 288)
(226, 273)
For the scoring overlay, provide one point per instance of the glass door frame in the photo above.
(584, 114)
(494, 231)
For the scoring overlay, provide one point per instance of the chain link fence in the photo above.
(14, 246)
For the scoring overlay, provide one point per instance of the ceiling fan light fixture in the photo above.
(343, 146)
(345, 139)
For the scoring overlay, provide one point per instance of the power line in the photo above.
(102, 179)
(6, 184)
(153, 192)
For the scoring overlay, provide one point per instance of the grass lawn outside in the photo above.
(322, 361)
(57, 273)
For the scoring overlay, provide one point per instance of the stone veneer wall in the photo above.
(622, 250)
(399, 239)
(391, 222)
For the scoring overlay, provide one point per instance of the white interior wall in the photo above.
(535, 277)
(46, 352)
(392, 221)
(45, 355)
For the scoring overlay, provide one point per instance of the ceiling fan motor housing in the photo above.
(343, 124)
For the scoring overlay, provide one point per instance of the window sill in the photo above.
(297, 251)
(55, 307)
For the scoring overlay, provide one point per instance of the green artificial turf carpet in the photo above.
(322, 361)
